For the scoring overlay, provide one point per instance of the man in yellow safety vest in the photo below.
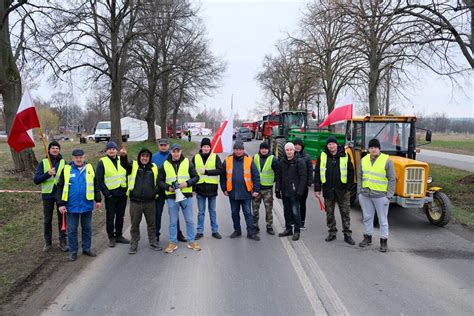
(48, 177)
(267, 166)
(209, 167)
(178, 175)
(334, 176)
(112, 179)
(376, 186)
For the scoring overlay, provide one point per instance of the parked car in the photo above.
(244, 134)
(3, 136)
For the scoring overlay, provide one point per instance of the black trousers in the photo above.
(303, 205)
(48, 211)
(115, 210)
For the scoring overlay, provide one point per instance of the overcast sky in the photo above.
(243, 31)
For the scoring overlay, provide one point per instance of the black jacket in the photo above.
(208, 189)
(145, 189)
(194, 177)
(309, 164)
(100, 172)
(334, 188)
(292, 178)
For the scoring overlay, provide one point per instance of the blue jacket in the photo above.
(41, 176)
(159, 158)
(239, 189)
(77, 202)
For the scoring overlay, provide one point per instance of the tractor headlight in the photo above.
(430, 179)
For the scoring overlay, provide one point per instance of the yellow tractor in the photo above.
(397, 136)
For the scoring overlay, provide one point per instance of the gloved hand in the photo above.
(278, 194)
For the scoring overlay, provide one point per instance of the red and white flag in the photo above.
(21, 134)
(341, 113)
(222, 140)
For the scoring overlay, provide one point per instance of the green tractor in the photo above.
(287, 126)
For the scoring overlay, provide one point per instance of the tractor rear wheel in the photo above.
(279, 147)
(439, 211)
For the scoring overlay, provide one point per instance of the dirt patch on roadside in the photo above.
(31, 293)
(467, 179)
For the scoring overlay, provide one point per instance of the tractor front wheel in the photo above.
(279, 147)
(439, 211)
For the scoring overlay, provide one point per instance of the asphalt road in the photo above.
(428, 271)
(463, 162)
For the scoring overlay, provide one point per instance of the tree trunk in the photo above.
(164, 104)
(150, 115)
(10, 89)
(115, 113)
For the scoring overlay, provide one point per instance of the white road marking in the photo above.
(303, 252)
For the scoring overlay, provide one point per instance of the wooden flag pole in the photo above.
(212, 150)
(45, 147)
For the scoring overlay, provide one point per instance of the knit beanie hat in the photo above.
(264, 145)
(374, 143)
(205, 141)
(331, 139)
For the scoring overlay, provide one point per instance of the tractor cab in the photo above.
(288, 120)
(396, 134)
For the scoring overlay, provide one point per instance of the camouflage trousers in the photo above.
(267, 196)
(344, 204)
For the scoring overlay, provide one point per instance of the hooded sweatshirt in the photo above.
(309, 164)
(145, 189)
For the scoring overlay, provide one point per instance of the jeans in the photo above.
(211, 202)
(173, 211)
(48, 212)
(159, 206)
(247, 209)
(86, 228)
(115, 210)
(291, 210)
(369, 207)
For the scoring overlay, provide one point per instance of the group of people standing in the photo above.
(168, 177)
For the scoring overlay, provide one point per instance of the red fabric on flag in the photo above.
(216, 142)
(341, 113)
(222, 140)
(25, 120)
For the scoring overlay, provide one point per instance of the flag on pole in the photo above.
(341, 113)
(222, 140)
(21, 133)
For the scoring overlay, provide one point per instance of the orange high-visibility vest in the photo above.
(229, 164)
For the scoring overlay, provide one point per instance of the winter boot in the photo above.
(366, 242)
(348, 239)
(383, 245)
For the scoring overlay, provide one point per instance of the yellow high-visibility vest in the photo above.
(182, 176)
(133, 175)
(48, 185)
(90, 175)
(342, 167)
(374, 176)
(114, 177)
(267, 175)
(211, 165)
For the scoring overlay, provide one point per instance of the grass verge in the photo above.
(21, 218)
(459, 186)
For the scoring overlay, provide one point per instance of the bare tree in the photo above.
(93, 35)
(326, 41)
(10, 81)
(446, 23)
